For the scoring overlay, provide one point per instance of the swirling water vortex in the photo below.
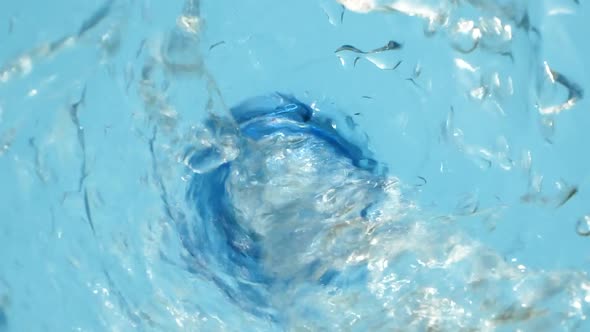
(129, 189)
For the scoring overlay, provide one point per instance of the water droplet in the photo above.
(547, 125)
(527, 160)
(181, 52)
(111, 41)
(334, 12)
(583, 226)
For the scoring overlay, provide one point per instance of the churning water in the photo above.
(422, 166)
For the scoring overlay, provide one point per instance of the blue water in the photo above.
(423, 167)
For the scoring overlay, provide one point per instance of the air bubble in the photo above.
(465, 36)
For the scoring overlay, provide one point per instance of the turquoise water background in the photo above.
(98, 99)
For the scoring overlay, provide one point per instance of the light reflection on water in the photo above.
(476, 108)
